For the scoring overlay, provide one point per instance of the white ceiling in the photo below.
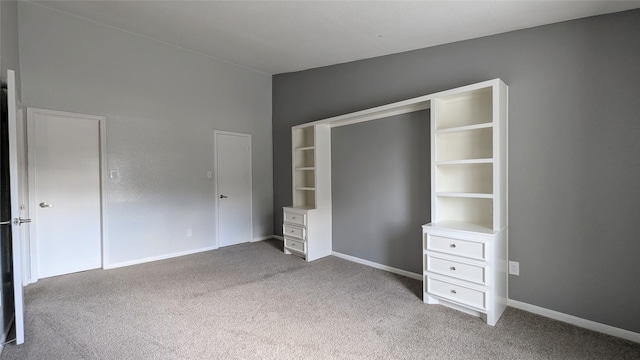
(285, 36)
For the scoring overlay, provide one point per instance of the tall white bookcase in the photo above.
(307, 223)
(465, 245)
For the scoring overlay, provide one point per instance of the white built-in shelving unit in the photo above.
(465, 244)
(307, 224)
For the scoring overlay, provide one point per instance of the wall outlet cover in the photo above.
(514, 268)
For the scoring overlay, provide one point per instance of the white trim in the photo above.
(215, 176)
(21, 130)
(262, 238)
(278, 237)
(16, 228)
(31, 169)
(31, 143)
(160, 257)
(566, 318)
(396, 108)
(372, 264)
(102, 126)
(573, 320)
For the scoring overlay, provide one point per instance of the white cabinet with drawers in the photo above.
(306, 234)
(466, 270)
(306, 228)
(465, 245)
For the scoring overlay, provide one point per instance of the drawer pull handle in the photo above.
(293, 217)
(452, 245)
(454, 292)
(453, 268)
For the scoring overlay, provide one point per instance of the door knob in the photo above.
(223, 196)
(45, 205)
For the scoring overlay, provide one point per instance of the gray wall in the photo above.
(9, 58)
(380, 183)
(574, 159)
(162, 105)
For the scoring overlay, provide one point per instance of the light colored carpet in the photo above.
(252, 302)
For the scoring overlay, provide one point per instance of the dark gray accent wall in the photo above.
(574, 154)
(380, 189)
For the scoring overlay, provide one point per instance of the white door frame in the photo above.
(215, 171)
(17, 230)
(24, 193)
(31, 143)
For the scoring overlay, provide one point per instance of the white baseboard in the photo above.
(573, 320)
(169, 256)
(262, 238)
(372, 264)
(156, 258)
(570, 319)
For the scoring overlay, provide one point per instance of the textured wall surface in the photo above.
(9, 58)
(574, 164)
(379, 197)
(162, 105)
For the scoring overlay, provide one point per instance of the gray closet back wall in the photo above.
(574, 154)
(380, 188)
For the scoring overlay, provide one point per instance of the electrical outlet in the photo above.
(514, 268)
(189, 233)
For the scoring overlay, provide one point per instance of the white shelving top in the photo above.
(465, 195)
(305, 188)
(301, 207)
(397, 108)
(304, 148)
(465, 161)
(461, 226)
(308, 168)
(465, 128)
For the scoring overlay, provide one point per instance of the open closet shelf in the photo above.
(465, 128)
(465, 195)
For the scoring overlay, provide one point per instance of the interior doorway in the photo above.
(65, 186)
(233, 188)
(11, 222)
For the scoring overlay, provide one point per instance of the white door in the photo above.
(233, 188)
(64, 179)
(16, 221)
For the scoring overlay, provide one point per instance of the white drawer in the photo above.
(457, 293)
(295, 245)
(295, 218)
(457, 270)
(470, 249)
(294, 231)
